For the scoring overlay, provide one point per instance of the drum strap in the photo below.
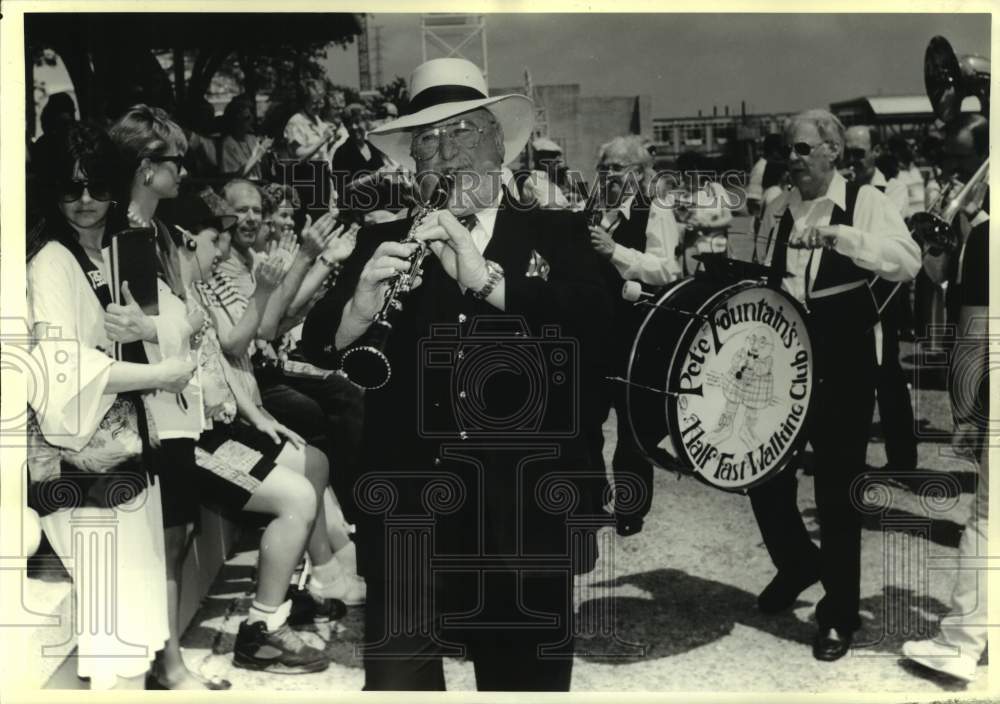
(779, 259)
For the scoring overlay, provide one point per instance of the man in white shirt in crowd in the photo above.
(909, 174)
(755, 187)
(541, 186)
(824, 239)
(861, 149)
(638, 238)
(894, 404)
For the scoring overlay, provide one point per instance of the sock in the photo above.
(348, 557)
(327, 572)
(273, 617)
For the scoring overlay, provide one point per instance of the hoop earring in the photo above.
(148, 178)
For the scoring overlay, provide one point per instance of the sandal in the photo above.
(213, 683)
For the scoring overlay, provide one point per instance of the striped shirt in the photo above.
(228, 303)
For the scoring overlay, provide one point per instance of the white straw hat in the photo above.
(443, 88)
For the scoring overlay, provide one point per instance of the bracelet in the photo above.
(326, 262)
(494, 275)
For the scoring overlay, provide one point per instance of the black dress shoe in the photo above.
(784, 589)
(830, 644)
(628, 525)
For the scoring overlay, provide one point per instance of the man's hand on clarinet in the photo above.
(389, 260)
(453, 245)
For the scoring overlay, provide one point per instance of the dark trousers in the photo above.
(895, 407)
(633, 473)
(840, 421)
(328, 413)
(405, 640)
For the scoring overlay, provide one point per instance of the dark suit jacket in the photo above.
(504, 484)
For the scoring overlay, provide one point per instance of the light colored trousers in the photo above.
(965, 625)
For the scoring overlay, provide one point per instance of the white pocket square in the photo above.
(537, 266)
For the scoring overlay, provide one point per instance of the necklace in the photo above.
(135, 218)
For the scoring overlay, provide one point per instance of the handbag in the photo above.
(122, 441)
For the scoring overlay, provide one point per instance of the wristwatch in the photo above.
(494, 274)
(326, 262)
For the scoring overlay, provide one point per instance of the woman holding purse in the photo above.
(113, 514)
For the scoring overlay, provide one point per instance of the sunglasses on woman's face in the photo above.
(73, 190)
(800, 148)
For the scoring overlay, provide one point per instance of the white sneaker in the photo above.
(348, 588)
(943, 658)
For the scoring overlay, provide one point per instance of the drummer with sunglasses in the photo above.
(825, 238)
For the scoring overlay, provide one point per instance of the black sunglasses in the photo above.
(176, 160)
(73, 190)
(800, 148)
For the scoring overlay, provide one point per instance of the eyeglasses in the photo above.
(463, 133)
(614, 166)
(71, 191)
(177, 160)
(800, 148)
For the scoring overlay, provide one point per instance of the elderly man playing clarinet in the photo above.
(826, 239)
(452, 448)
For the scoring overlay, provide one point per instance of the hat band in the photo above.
(435, 95)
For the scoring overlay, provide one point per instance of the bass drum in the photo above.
(720, 379)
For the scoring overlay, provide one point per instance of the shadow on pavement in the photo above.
(683, 612)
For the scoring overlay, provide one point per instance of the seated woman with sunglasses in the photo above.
(66, 274)
(152, 148)
(252, 462)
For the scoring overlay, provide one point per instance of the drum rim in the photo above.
(690, 327)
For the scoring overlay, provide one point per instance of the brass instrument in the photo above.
(949, 80)
(932, 228)
(367, 365)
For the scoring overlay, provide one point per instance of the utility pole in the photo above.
(378, 56)
(364, 65)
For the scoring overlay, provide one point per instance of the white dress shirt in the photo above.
(755, 188)
(895, 191)
(659, 264)
(878, 241)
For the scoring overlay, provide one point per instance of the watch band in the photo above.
(494, 275)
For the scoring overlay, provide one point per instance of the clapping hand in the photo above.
(452, 244)
(127, 323)
(342, 243)
(317, 235)
(271, 269)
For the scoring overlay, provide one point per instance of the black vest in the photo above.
(631, 233)
(849, 313)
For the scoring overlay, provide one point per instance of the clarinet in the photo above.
(367, 365)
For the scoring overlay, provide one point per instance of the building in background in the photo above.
(580, 124)
(909, 115)
(727, 141)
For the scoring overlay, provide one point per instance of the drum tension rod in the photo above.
(688, 313)
(642, 386)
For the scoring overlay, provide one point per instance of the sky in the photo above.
(689, 62)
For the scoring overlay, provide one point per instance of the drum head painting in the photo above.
(739, 384)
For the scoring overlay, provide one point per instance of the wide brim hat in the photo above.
(444, 88)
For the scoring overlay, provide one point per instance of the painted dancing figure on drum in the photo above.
(749, 382)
